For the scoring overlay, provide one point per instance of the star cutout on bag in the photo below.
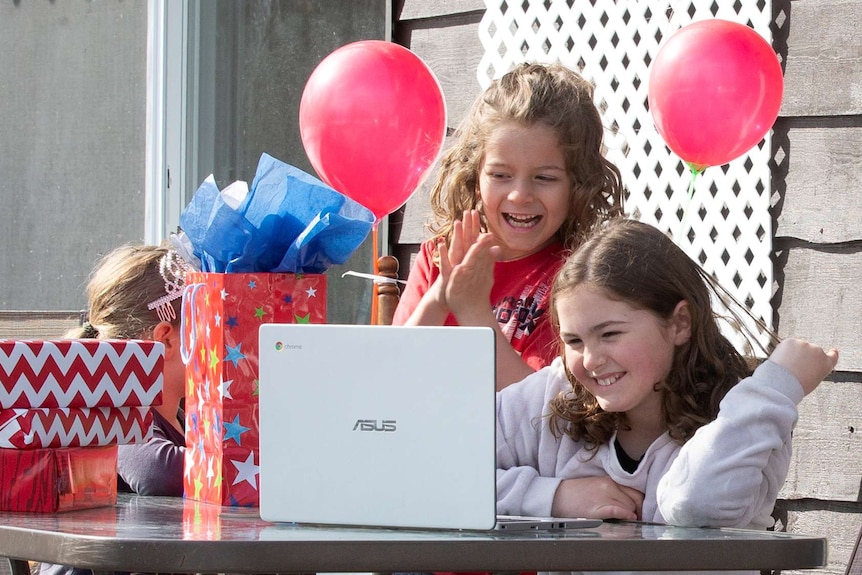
(234, 354)
(246, 470)
(234, 430)
(224, 389)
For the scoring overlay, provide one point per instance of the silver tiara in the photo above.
(172, 268)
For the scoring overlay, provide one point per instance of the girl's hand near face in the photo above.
(465, 232)
(463, 289)
(433, 308)
(469, 283)
(468, 296)
(477, 273)
(597, 498)
(809, 363)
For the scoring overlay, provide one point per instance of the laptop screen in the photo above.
(377, 425)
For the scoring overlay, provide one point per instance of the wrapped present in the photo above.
(49, 480)
(74, 427)
(221, 316)
(80, 373)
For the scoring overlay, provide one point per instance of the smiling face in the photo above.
(618, 352)
(525, 187)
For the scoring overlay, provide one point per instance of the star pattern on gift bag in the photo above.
(246, 471)
(222, 393)
(234, 354)
(234, 430)
(224, 389)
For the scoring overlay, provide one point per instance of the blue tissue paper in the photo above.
(288, 221)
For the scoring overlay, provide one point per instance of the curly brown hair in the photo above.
(637, 263)
(531, 93)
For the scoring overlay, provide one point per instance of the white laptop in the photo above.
(380, 426)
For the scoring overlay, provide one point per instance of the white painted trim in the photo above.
(154, 170)
(166, 142)
(177, 46)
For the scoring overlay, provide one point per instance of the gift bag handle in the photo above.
(186, 350)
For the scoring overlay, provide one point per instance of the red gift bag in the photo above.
(221, 316)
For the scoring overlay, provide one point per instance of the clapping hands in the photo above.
(467, 269)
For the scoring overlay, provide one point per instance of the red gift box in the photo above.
(49, 480)
(74, 427)
(80, 373)
(221, 317)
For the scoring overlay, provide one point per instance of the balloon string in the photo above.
(695, 170)
(376, 272)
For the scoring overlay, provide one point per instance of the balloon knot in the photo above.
(696, 168)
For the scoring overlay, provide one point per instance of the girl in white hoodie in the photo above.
(650, 413)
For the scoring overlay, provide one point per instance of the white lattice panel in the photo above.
(728, 225)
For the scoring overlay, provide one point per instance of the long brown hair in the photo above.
(531, 93)
(636, 263)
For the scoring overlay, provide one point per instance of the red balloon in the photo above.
(715, 90)
(372, 120)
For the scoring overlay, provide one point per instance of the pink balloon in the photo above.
(715, 90)
(372, 120)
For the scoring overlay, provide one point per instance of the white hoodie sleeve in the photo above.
(526, 450)
(730, 472)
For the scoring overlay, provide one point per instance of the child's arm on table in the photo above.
(528, 453)
(154, 467)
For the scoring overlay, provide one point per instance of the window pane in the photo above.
(73, 117)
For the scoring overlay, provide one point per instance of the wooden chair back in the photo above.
(388, 293)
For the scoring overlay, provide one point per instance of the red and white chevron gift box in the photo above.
(80, 373)
(74, 427)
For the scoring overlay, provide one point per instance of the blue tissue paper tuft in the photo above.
(289, 221)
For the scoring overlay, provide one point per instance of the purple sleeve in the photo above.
(155, 467)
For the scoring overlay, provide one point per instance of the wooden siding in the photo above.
(37, 324)
(816, 205)
(821, 42)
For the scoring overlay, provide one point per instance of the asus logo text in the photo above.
(372, 425)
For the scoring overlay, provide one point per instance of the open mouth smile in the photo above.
(605, 381)
(521, 221)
